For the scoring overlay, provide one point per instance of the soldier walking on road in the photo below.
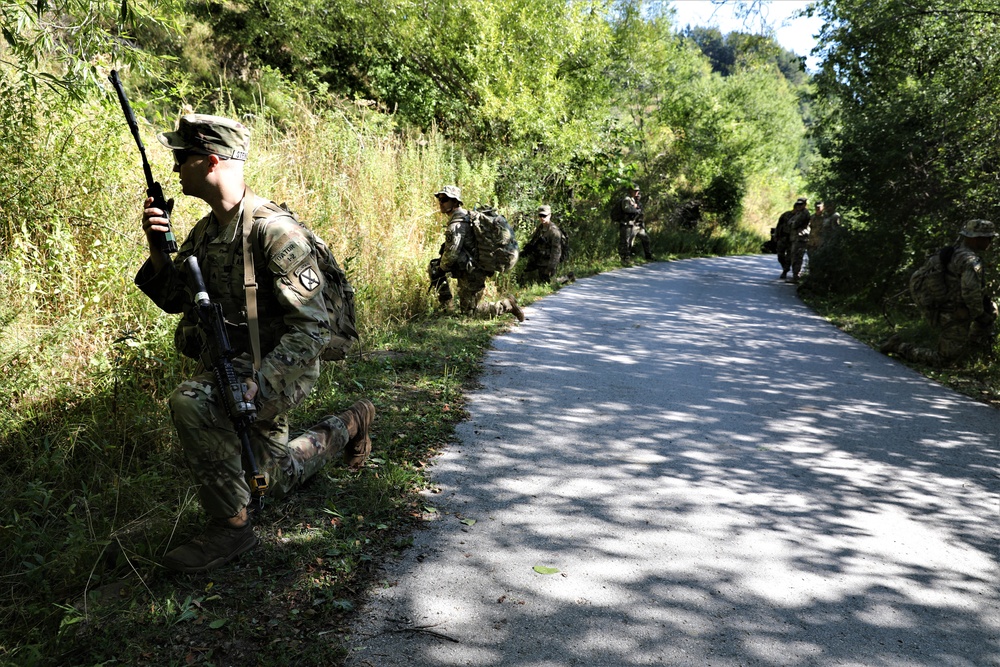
(787, 228)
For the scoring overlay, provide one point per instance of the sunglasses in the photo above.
(181, 156)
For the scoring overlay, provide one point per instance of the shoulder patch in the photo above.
(309, 279)
(291, 254)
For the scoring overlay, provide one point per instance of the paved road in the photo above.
(719, 476)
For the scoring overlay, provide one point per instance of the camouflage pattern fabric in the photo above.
(631, 229)
(458, 252)
(543, 252)
(457, 259)
(294, 328)
(211, 448)
(816, 228)
(964, 324)
(783, 240)
(471, 286)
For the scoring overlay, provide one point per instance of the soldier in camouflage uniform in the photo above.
(632, 226)
(209, 155)
(965, 316)
(544, 251)
(817, 224)
(786, 230)
(458, 259)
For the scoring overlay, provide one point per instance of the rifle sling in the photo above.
(249, 278)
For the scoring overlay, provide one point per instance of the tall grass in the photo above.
(86, 360)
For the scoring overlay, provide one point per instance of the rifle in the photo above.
(241, 412)
(165, 241)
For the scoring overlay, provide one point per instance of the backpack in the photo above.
(496, 246)
(617, 211)
(928, 286)
(338, 293)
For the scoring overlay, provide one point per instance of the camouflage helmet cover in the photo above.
(978, 229)
(451, 192)
(209, 134)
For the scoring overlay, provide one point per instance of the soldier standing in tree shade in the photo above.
(632, 226)
(544, 251)
(294, 329)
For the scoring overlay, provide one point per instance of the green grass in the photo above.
(317, 547)
(94, 488)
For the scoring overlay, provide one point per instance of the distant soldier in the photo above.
(789, 223)
(950, 290)
(460, 258)
(631, 225)
(547, 248)
(817, 225)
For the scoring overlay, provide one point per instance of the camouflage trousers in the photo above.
(540, 269)
(470, 288)
(627, 235)
(797, 254)
(213, 452)
(784, 254)
(958, 339)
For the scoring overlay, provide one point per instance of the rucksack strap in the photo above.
(249, 277)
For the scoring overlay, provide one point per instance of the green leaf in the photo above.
(543, 569)
(469, 522)
(217, 623)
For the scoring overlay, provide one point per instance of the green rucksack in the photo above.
(928, 285)
(496, 246)
(338, 293)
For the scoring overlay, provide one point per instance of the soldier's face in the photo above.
(190, 168)
(447, 205)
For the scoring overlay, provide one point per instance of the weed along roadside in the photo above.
(284, 603)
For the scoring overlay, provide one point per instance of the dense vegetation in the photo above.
(359, 111)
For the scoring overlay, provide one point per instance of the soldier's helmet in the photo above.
(801, 201)
(975, 229)
(544, 209)
(210, 135)
(451, 192)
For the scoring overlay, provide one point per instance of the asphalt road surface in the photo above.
(720, 478)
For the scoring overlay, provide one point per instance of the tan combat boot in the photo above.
(216, 546)
(358, 418)
(515, 309)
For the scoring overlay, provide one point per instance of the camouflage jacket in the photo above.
(545, 244)
(966, 282)
(458, 252)
(294, 324)
(791, 225)
(632, 211)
